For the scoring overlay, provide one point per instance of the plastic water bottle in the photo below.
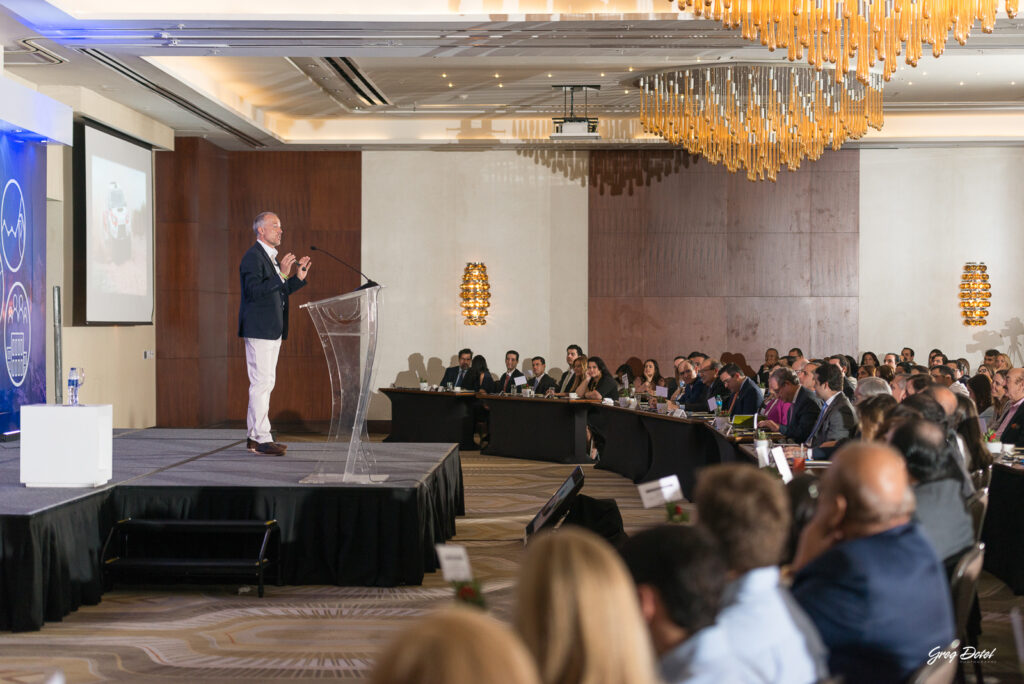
(718, 403)
(73, 387)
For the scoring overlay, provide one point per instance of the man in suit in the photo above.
(1011, 428)
(866, 575)
(746, 396)
(572, 352)
(849, 383)
(263, 323)
(458, 376)
(506, 383)
(541, 381)
(805, 411)
(713, 387)
(837, 420)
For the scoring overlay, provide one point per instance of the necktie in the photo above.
(536, 383)
(821, 417)
(508, 376)
(458, 380)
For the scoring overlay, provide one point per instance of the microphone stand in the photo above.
(369, 283)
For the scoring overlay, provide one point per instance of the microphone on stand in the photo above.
(369, 282)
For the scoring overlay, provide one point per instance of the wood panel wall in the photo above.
(206, 201)
(686, 256)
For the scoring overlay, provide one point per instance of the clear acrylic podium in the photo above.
(347, 325)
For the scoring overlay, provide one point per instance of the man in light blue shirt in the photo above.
(680, 574)
(769, 636)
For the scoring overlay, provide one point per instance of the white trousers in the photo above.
(261, 360)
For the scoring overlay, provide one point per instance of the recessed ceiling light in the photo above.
(910, 83)
(496, 75)
(444, 75)
(961, 82)
(630, 68)
(924, 73)
(549, 75)
(602, 74)
(501, 85)
(451, 85)
(626, 92)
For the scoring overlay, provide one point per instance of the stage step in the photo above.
(127, 536)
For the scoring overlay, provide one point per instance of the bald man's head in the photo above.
(1015, 384)
(869, 486)
(945, 397)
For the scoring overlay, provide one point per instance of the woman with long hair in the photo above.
(965, 422)
(480, 379)
(578, 612)
(980, 389)
(649, 378)
(601, 384)
(869, 359)
(999, 398)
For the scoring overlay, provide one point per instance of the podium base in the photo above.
(336, 478)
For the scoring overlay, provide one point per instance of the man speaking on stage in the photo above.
(263, 323)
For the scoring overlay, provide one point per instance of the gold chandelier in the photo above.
(975, 291)
(475, 293)
(757, 116)
(840, 31)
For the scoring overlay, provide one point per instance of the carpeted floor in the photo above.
(225, 634)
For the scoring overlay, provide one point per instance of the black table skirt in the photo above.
(540, 429)
(432, 417)
(50, 561)
(1003, 533)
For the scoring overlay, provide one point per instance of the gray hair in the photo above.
(260, 219)
(784, 376)
(869, 387)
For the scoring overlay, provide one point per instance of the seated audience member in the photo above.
(919, 370)
(625, 376)
(1010, 429)
(771, 359)
(578, 612)
(455, 645)
(869, 387)
(986, 371)
(866, 575)
(872, 412)
(541, 382)
(907, 355)
(940, 511)
(866, 372)
(959, 367)
(1003, 362)
(980, 388)
(680, 574)
(805, 405)
(569, 378)
(907, 368)
(691, 388)
(890, 359)
(943, 375)
(577, 379)
(774, 408)
(459, 376)
(838, 420)
(898, 385)
(848, 384)
(747, 512)
(885, 372)
(798, 357)
(674, 383)
(990, 359)
(869, 359)
(600, 384)
(480, 379)
(713, 386)
(506, 383)
(649, 379)
(968, 429)
(918, 383)
(746, 396)
(934, 357)
(999, 399)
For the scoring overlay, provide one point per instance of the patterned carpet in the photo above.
(226, 634)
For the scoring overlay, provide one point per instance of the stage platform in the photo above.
(365, 535)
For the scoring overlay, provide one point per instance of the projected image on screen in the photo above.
(118, 230)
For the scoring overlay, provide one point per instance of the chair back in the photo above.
(941, 670)
(964, 584)
(978, 506)
(982, 478)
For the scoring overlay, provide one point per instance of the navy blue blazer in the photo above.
(803, 416)
(263, 311)
(881, 603)
(1014, 432)
(748, 400)
(451, 374)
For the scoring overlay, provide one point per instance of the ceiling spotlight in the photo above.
(910, 83)
(496, 75)
(451, 85)
(444, 75)
(500, 85)
(626, 91)
(630, 68)
(961, 82)
(602, 74)
(549, 75)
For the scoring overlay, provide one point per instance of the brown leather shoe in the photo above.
(270, 449)
(252, 444)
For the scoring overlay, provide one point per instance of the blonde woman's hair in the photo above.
(578, 612)
(456, 645)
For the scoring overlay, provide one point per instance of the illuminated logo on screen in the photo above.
(13, 225)
(17, 333)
